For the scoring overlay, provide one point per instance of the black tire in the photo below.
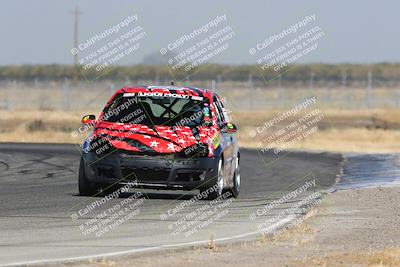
(218, 183)
(235, 189)
(86, 188)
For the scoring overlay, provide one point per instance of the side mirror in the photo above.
(229, 128)
(88, 119)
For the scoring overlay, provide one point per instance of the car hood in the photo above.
(159, 139)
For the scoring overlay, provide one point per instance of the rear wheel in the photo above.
(86, 188)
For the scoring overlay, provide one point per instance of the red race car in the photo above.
(161, 137)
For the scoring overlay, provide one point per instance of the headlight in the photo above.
(100, 147)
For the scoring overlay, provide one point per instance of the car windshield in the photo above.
(157, 110)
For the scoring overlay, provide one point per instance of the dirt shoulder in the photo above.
(350, 228)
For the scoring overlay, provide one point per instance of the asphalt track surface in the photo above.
(39, 197)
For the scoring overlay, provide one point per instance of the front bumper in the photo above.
(159, 172)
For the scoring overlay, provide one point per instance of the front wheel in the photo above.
(217, 188)
(235, 189)
(86, 188)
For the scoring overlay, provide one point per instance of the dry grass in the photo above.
(373, 131)
(347, 140)
(39, 126)
(340, 130)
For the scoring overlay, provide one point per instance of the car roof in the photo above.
(183, 90)
(186, 90)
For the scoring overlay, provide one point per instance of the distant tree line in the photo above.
(302, 72)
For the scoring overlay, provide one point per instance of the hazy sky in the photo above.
(359, 31)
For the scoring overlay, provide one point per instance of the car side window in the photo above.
(223, 111)
(219, 112)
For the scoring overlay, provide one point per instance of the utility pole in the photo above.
(76, 13)
(280, 97)
(66, 96)
(344, 78)
(346, 91)
(280, 81)
(251, 81)
(369, 88)
(312, 80)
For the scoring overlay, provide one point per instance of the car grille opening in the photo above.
(145, 175)
(189, 176)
